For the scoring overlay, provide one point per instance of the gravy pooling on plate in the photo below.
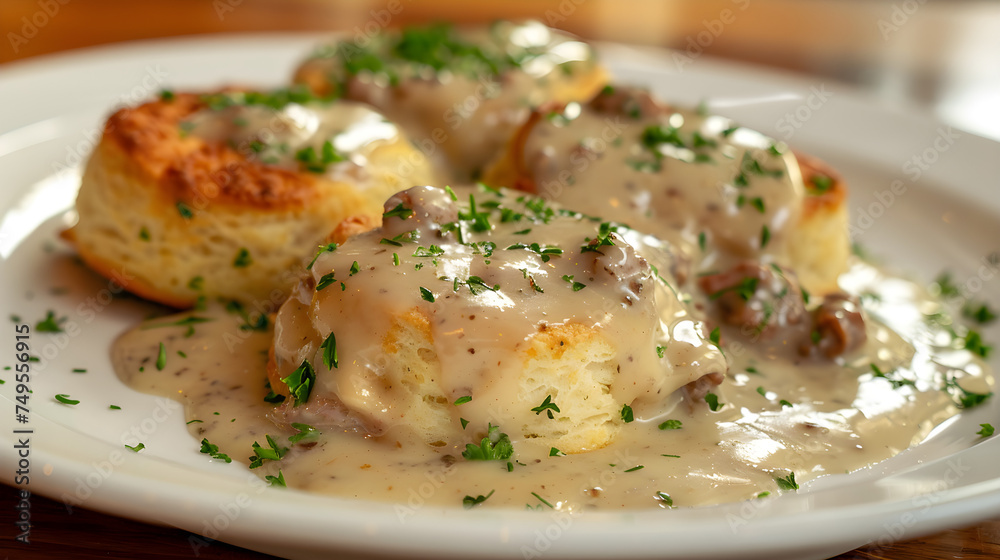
(785, 412)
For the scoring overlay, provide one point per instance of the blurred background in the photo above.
(941, 54)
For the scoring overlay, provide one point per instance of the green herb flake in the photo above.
(788, 482)
(665, 499)
(715, 336)
(114, 407)
(328, 248)
(243, 258)
(986, 430)
(144, 234)
(213, 451)
(276, 480)
(659, 351)
(469, 502)
(195, 421)
(671, 425)
(329, 346)
(635, 468)
(973, 342)
(426, 295)
(273, 452)
(495, 446)
(399, 211)
(981, 314)
(161, 358)
(136, 448)
(300, 382)
(305, 431)
(184, 210)
(713, 402)
(765, 236)
(50, 323)
(627, 414)
(547, 406)
(462, 400)
(66, 400)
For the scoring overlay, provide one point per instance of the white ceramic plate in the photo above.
(946, 216)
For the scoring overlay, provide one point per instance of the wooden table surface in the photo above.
(763, 35)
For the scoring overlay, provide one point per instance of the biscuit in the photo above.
(721, 193)
(459, 92)
(177, 202)
(454, 317)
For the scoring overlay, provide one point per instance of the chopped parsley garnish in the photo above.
(305, 432)
(213, 450)
(965, 398)
(462, 400)
(762, 391)
(660, 350)
(185, 322)
(161, 358)
(195, 422)
(986, 430)
(243, 258)
(136, 448)
(495, 446)
(981, 314)
(114, 407)
(325, 281)
(577, 286)
(892, 377)
(787, 482)
(745, 289)
(553, 452)
(946, 287)
(702, 240)
(671, 425)
(543, 500)
(328, 248)
(819, 184)
(765, 236)
(477, 285)
(547, 406)
(184, 210)
(258, 324)
(300, 382)
(713, 402)
(397, 241)
(635, 468)
(758, 203)
(317, 163)
(166, 95)
(270, 453)
(66, 400)
(603, 238)
(465, 423)
(329, 346)
(355, 268)
(544, 251)
(627, 414)
(426, 295)
(715, 336)
(973, 342)
(469, 502)
(665, 499)
(276, 480)
(144, 234)
(399, 211)
(50, 323)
